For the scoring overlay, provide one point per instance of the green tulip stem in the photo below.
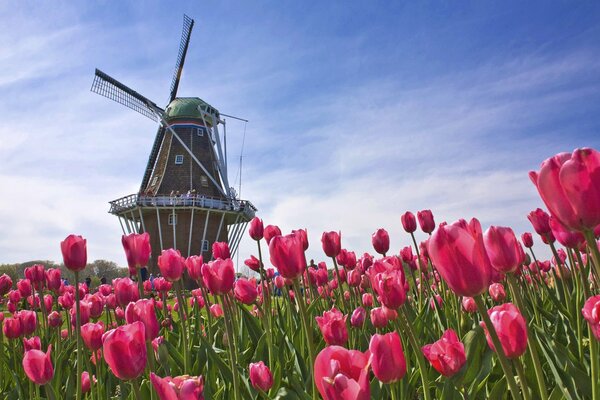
(267, 314)
(412, 338)
(593, 246)
(135, 384)
(140, 283)
(308, 332)
(531, 343)
(510, 378)
(594, 364)
(49, 391)
(183, 332)
(230, 343)
(423, 286)
(522, 379)
(78, 336)
(340, 283)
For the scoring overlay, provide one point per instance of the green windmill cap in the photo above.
(187, 107)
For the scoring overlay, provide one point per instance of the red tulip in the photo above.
(13, 328)
(24, 287)
(469, 305)
(390, 286)
(137, 249)
(245, 291)
(381, 241)
(387, 357)
(303, 237)
(86, 383)
(216, 311)
(33, 343)
(143, 310)
(260, 376)
(54, 319)
(497, 292)
(333, 327)
(194, 267)
(358, 317)
(67, 300)
(53, 279)
(331, 243)
(256, 229)
(426, 221)
(503, 249)
(91, 333)
(527, 240)
(510, 327)
(220, 250)
(409, 223)
(5, 284)
(287, 255)
(171, 264)
(253, 263)
(179, 388)
(460, 257)
(270, 232)
(28, 321)
(342, 374)
(447, 355)
(591, 313)
(38, 366)
(126, 291)
(569, 185)
(35, 273)
(565, 236)
(74, 252)
(379, 317)
(124, 350)
(96, 302)
(162, 285)
(218, 276)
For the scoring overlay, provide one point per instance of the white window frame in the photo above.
(204, 246)
(179, 159)
(172, 218)
(154, 180)
(203, 180)
(200, 131)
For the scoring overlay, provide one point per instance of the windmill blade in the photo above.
(111, 88)
(188, 24)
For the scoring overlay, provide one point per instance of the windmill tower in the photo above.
(185, 201)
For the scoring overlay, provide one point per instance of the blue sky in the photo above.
(358, 111)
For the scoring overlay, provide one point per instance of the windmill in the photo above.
(185, 201)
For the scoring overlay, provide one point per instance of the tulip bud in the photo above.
(387, 357)
(426, 221)
(137, 249)
(409, 223)
(510, 327)
(381, 241)
(171, 264)
(74, 251)
(331, 242)
(38, 366)
(256, 229)
(447, 355)
(260, 376)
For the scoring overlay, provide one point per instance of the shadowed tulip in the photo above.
(287, 255)
(33, 343)
(510, 327)
(38, 366)
(5, 284)
(28, 321)
(426, 221)
(256, 230)
(143, 310)
(333, 327)
(183, 387)
(260, 376)
(569, 185)
(220, 250)
(53, 279)
(54, 319)
(387, 357)
(171, 264)
(218, 276)
(527, 240)
(331, 242)
(74, 252)
(565, 236)
(591, 313)
(245, 291)
(358, 317)
(12, 327)
(447, 355)
(503, 249)
(458, 253)
(379, 317)
(193, 265)
(24, 287)
(124, 350)
(469, 305)
(216, 311)
(270, 232)
(253, 263)
(497, 292)
(342, 374)
(126, 291)
(381, 241)
(91, 333)
(137, 249)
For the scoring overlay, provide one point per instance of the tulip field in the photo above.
(472, 312)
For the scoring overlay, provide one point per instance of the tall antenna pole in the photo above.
(241, 155)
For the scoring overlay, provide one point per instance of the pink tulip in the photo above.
(333, 327)
(253, 263)
(137, 249)
(460, 257)
(387, 357)
(527, 240)
(54, 319)
(124, 350)
(591, 313)
(33, 343)
(270, 232)
(510, 327)
(569, 185)
(28, 321)
(38, 366)
(218, 276)
(358, 317)
(220, 250)
(409, 223)
(367, 300)
(245, 291)
(74, 252)
(96, 302)
(379, 317)
(24, 287)
(171, 264)
(12, 327)
(193, 265)
(86, 383)
(143, 310)
(256, 230)
(35, 274)
(183, 387)
(469, 305)
(67, 300)
(5, 284)
(426, 221)
(503, 249)
(287, 255)
(216, 311)
(540, 220)
(447, 355)
(331, 242)
(126, 291)
(565, 236)
(390, 286)
(260, 376)
(302, 236)
(497, 292)
(91, 333)
(381, 241)
(342, 374)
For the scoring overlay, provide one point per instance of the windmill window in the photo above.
(205, 245)
(154, 181)
(179, 159)
(204, 181)
(172, 219)
(200, 131)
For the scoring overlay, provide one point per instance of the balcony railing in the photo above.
(183, 201)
